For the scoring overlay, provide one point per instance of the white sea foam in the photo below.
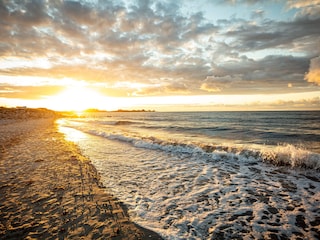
(291, 155)
(188, 191)
(287, 154)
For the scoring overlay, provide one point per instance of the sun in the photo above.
(77, 99)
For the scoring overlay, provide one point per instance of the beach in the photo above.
(48, 190)
(104, 177)
(209, 175)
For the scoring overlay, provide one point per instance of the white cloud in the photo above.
(16, 62)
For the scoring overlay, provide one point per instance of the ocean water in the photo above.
(201, 175)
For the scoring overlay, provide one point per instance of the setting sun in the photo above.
(76, 99)
(201, 117)
(199, 56)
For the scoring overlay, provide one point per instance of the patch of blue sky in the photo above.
(214, 11)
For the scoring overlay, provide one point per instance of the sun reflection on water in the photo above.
(71, 134)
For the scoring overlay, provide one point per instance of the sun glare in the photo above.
(76, 99)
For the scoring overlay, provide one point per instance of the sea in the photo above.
(205, 175)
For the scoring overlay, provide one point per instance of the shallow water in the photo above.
(199, 183)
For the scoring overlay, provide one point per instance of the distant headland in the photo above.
(27, 113)
(119, 110)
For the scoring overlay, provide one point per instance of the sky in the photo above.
(177, 55)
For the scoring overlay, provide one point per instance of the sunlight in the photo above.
(78, 99)
(70, 133)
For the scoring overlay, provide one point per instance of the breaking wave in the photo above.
(281, 155)
(290, 155)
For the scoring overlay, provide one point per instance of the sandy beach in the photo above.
(48, 190)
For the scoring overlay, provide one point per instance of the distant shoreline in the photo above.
(23, 113)
(119, 110)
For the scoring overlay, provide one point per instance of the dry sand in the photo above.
(48, 190)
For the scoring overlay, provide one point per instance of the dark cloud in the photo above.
(78, 12)
(275, 67)
(272, 34)
(23, 13)
(248, 75)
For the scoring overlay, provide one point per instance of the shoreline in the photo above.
(48, 189)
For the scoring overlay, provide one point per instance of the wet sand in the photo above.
(48, 190)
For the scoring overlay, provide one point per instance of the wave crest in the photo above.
(281, 155)
(290, 155)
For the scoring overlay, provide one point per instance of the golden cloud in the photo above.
(314, 71)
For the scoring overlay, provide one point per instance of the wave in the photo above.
(113, 123)
(290, 155)
(281, 155)
(125, 122)
(228, 132)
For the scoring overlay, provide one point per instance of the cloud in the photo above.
(158, 45)
(164, 88)
(314, 71)
(217, 84)
(233, 2)
(298, 33)
(302, 3)
(246, 75)
(71, 29)
(29, 92)
(311, 103)
(259, 13)
(274, 34)
(308, 10)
